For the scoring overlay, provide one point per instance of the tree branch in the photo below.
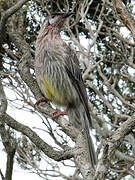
(125, 16)
(120, 133)
(3, 22)
(3, 100)
(6, 15)
(7, 140)
(2, 176)
(48, 150)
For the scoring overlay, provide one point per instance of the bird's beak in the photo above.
(65, 15)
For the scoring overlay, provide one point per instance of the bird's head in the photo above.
(56, 20)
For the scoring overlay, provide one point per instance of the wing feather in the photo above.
(74, 73)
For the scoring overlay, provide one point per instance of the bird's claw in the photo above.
(58, 113)
(43, 99)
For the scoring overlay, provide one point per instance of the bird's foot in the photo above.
(58, 113)
(43, 99)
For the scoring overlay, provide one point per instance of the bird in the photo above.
(59, 76)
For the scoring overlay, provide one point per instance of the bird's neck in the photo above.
(49, 39)
(50, 43)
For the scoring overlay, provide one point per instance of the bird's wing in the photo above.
(74, 73)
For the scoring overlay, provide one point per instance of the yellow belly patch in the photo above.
(49, 91)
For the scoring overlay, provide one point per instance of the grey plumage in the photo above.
(59, 76)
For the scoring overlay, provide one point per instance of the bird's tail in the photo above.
(79, 119)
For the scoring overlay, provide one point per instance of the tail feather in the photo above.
(79, 119)
(92, 154)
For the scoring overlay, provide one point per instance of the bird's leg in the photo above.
(43, 99)
(58, 113)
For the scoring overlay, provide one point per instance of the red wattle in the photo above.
(50, 27)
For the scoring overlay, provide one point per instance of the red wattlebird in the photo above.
(59, 76)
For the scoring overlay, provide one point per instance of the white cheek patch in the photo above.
(53, 20)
